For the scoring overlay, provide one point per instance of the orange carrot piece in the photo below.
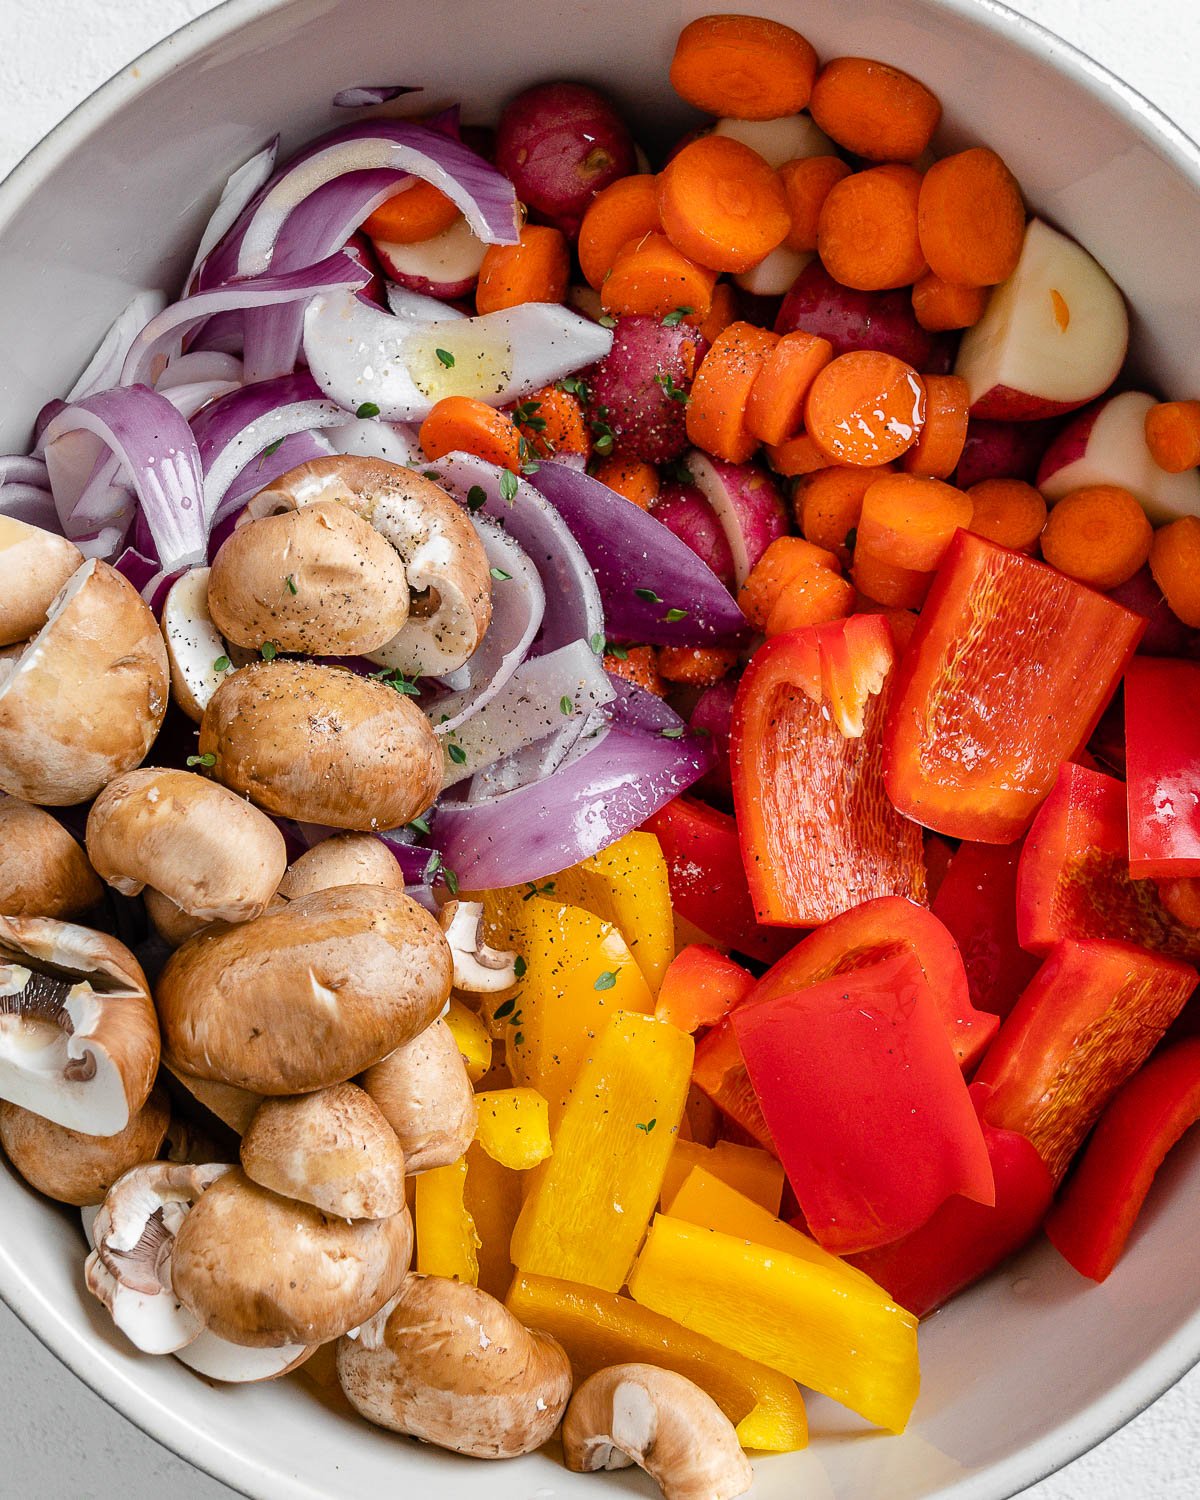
(536, 269)
(1008, 512)
(1175, 563)
(865, 408)
(415, 213)
(552, 422)
(722, 205)
(807, 183)
(623, 211)
(883, 582)
(818, 598)
(744, 66)
(636, 664)
(827, 504)
(1173, 435)
(793, 584)
(1098, 535)
(904, 624)
(795, 456)
(910, 522)
(699, 665)
(637, 480)
(971, 218)
(939, 307)
(461, 422)
(719, 316)
(936, 452)
(867, 229)
(650, 276)
(776, 406)
(873, 110)
(716, 409)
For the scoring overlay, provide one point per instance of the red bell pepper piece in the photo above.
(818, 832)
(865, 1102)
(938, 854)
(1092, 1015)
(1162, 766)
(977, 900)
(1091, 1221)
(700, 987)
(963, 1241)
(1009, 669)
(1073, 880)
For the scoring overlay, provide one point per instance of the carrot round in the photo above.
(873, 110)
(795, 456)
(867, 229)
(552, 423)
(886, 583)
(827, 504)
(716, 409)
(722, 205)
(807, 183)
(910, 522)
(650, 276)
(744, 66)
(1098, 535)
(971, 218)
(1008, 512)
(936, 452)
(794, 584)
(632, 477)
(776, 406)
(699, 665)
(865, 408)
(636, 664)
(939, 306)
(719, 316)
(415, 213)
(1175, 563)
(536, 269)
(623, 211)
(1173, 435)
(461, 422)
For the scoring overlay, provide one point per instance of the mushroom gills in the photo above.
(40, 1014)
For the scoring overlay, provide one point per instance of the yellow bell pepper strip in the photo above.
(747, 1169)
(474, 1042)
(828, 1329)
(599, 1329)
(514, 1127)
(492, 1196)
(447, 1244)
(588, 1206)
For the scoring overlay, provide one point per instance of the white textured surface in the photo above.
(66, 1441)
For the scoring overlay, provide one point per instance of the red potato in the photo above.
(1166, 634)
(638, 388)
(559, 144)
(683, 509)
(1003, 450)
(360, 250)
(861, 320)
(446, 265)
(713, 716)
(746, 503)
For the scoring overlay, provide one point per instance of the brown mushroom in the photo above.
(235, 1364)
(426, 1097)
(198, 656)
(234, 1107)
(172, 923)
(478, 968)
(43, 871)
(76, 1168)
(34, 565)
(345, 859)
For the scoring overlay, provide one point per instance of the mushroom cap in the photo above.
(322, 745)
(196, 842)
(319, 580)
(172, 923)
(333, 1149)
(425, 1095)
(34, 565)
(304, 997)
(43, 871)
(79, 1038)
(345, 859)
(76, 1168)
(452, 1366)
(194, 644)
(234, 1107)
(262, 1270)
(87, 696)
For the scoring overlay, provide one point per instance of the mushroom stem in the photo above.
(478, 969)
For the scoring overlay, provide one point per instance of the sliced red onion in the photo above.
(296, 449)
(42, 421)
(29, 503)
(416, 307)
(201, 364)
(369, 438)
(222, 334)
(20, 468)
(190, 400)
(103, 370)
(106, 503)
(537, 761)
(413, 859)
(237, 194)
(362, 95)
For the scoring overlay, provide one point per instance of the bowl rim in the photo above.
(117, 1387)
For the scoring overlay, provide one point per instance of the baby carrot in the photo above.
(885, 583)
(873, 110)
(1175, 563)
(1173, 435)
(632, 477)
(793, 584)
(776, 406)
(699, 665)
(867, 229)
(636, 664)
(716, 409)
(795, 456)
(650, 276)
(415, 213)
(552, 422)
(936, 452)
(940, 306)
(722, 205)
(827, 504)
(865, 408)
(461, 422)
(536, 269)
(1008, 512)
(1098, 535)
(909, 521)
(744, 66)
(623, 211)
(807, 183)
(971, 218)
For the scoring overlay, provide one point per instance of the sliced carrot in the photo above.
(775, 409)
(971, 218)
(722, 205)
(867, 229)
(796, 456)
(416, 212)
(910, 522)
(807, 183)
(552, 422)
(699, 665)
(1173, 435)
(793, 584)
(818, 598)
(1008, 512)
(1098, 535)
(461, 422)
(722, 312)
(939, 306)
(536, 269)
(1175, 563)
(650, 276)
(936, 452)
(636, 664)
(744, 66)
(865, 408)
(828, 503)
(623, 211)
(716, 409)
(873, 110)
(885, 583)
(637, 480)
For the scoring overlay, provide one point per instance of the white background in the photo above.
(56, 1438)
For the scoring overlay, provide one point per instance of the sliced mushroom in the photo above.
(444, 558)
(78, 1034)
(661, 1421)
(345, 859)
(34, 565)
(333, 1149)
(196, 651)
(85, 699)
(262, 1270)
(453, 1367)
(307, 996)
(43, 871)
(426, 1097)
(478, 969)
(73, 1167)
(235, 1364)
(322, 745)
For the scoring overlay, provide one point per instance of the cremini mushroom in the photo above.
(333, 1149)
(85, 699)
(322, 745)
(34, 565)
(478, 969)
(78, 1035)
(426, 1097)
(199, 844)
(304, 997)
(262, 1270)
(73, 1167)
(234, 1107)
(43, 871)
(661, 1421)
(452, 1366)
(446, 565)
(199, 657)
(345, 859)
(235, 1364)
(171, 922)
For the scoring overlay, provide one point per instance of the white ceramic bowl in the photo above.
(1033, 1366)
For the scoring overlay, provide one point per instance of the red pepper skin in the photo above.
(700, 987)
(977, 901)
(963, 1241)
(1008, 672)
(1162, 767)
(1090, 1223)
(865, 1102)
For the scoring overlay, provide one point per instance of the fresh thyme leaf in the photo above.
(367, 409)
